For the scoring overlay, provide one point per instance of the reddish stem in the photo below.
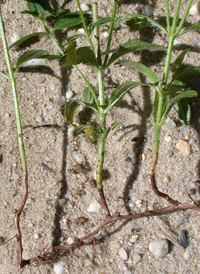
(108, 220)
(103, 202)
(18, 213)
(161, 194)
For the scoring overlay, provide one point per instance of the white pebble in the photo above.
(195, 9)
(58, 269)
(79, 157)
(186, 254)
(138, 202)
(70, 240)
(41, 80)
(114, 138)
(94, 207)
(61, 100)
(85, 7)
(35, 62)
(38, 119)
(183, 148)
(169, 125)
(123, 254)
(42, 37)
(159, 247)
(136, 258)
(69, 94)
(61, 201)
(81, 30)
(168, 139)
(16, 36)
(105, 34)
(36, 236)
(147, 10)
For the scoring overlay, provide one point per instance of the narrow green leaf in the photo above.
(35, 5)
(138, 21)
(45, 14)
(171, 102)
(118, 93)
(70, 108)
(179, 59)
(142, 69)
(195, 26)
(99, 22)
(25, 38)
(120, 20)
(113, 126)
(58, 12)
(87, 95)
(50, 57)
(74, 37)
(3, 73)
(184, 111)
(28, 55)
(82, 128)
(132, 46)
(70, 20)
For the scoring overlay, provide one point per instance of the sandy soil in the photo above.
(59, 197)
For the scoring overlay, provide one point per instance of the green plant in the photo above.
(92, 56)
(172, 92)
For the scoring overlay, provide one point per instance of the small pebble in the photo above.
(147, 10)
(105, 34)
(58, 269)
(70, 240)
(41, 80)
(125, 29)
(35, 62)
(166, 180)
(123, 254)
(169, 125)
(16, 36)
(168, 139)
(42, 37)
(79, 158)
(195, 9)
(81, 30)
(183, 147)
(136, 258)
(85, 7)
(182, 238)
(46, 167)
(69, 94)
(40, 216)
(186, 254)
(61, 201)
(61, 100)
(134, 238)
(36, 236)
(159, 247)
(138, 202)
(94, 207)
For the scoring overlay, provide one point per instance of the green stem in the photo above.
(110, 33)
(53, 39)
(20, 260)
(184, 17)
(88, 84)
(15, 97)
(101, 97)
(96, 34)
(175, 19)
(167, 16)
(85, 26)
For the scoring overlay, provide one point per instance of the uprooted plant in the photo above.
(167, 95)
(172, 92)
